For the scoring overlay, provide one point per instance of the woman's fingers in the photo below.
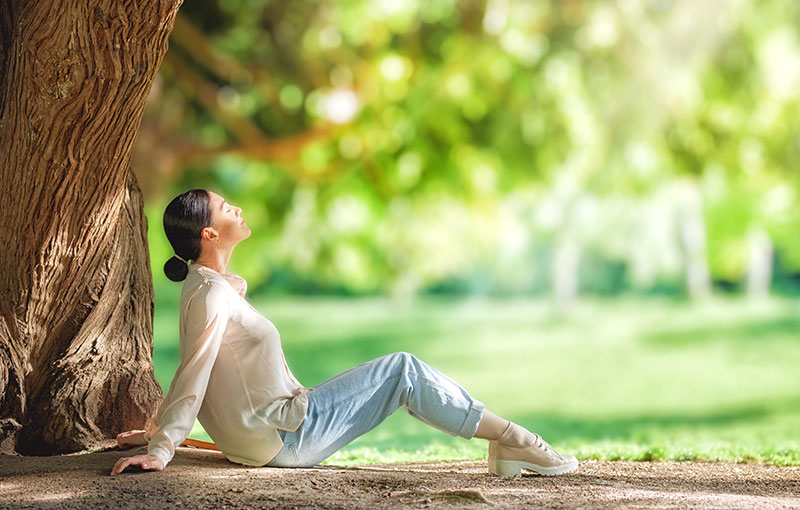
(128, 433)
(123, 463)
(120, 465)
(124, 443)
(131, 438)
(143, 461)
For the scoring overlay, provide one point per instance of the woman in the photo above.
(233, 376)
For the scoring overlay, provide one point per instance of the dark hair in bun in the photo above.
(184, 218)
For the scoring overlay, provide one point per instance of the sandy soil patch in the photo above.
(205, 479)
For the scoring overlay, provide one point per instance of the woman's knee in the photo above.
(404, 361)
(403, 358)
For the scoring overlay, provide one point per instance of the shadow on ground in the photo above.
(205, 479)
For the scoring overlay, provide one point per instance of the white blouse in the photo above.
(233, 376)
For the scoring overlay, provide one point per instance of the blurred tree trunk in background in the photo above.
(565, 271)
(694, 240)
(759, 263)
(77, 296)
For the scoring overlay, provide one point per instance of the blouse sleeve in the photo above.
(206, 318)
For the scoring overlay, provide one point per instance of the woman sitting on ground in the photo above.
(234, 379)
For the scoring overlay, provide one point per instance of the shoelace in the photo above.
(539, 441)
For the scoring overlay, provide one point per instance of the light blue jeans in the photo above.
(357, 400)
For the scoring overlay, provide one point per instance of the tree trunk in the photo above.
(76, 288)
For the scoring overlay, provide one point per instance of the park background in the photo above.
(584, 212)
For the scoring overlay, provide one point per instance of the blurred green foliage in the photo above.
(470, 136)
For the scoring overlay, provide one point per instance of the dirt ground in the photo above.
(205, 479)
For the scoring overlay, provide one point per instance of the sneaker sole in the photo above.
(513, 468)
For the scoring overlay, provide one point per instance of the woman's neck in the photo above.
(216, 260)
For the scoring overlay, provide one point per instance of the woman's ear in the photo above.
(208, 234)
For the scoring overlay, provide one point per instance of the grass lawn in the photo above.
(614, 379)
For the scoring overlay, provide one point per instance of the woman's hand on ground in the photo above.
(146, 462)
(131, 438)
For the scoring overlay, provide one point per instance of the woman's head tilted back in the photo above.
(184, 218)
(200, 222)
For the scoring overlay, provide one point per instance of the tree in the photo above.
(77, 295)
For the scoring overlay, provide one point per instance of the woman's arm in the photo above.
(206, 319)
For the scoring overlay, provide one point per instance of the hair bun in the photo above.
(175, 269)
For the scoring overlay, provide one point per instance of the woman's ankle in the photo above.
(491, 426)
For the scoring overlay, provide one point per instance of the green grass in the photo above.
(624, 379)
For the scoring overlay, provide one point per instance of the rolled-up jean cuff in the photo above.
(470, 425)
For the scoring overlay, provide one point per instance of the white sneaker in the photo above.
(517, 448)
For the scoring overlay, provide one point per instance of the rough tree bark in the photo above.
(76, 292)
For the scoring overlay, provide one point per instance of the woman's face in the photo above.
(227, 221)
